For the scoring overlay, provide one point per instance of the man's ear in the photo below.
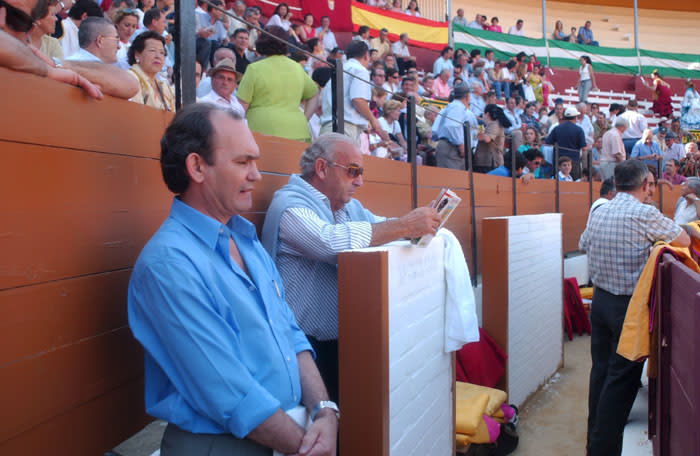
(321, 168)
(83, 16)
(194, 164)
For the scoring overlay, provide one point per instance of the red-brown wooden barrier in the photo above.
(82, 193)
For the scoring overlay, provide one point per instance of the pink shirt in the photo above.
(441, 89)
(677, 179)
(495, 28)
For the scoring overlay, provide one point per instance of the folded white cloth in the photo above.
(461, 322)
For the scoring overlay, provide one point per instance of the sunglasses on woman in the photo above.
(16, 19)
(353, 169)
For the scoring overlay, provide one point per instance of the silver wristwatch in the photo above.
(325, 404)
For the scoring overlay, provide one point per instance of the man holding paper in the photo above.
(314, 217)
(224, 358)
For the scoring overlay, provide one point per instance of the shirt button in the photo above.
(221, 230)
(288, 359)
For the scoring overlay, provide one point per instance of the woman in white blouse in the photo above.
(281, 17)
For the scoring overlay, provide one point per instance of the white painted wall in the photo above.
(534, 302)
(420, 372)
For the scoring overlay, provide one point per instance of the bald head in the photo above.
(223, 53)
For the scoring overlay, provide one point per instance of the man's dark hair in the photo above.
(533, 153)
(607, 186)
(630, 175)
(632, 103)
(511, 64)
(321, 75)
(218, 3)
(390, 72)
(519, 161)
(90, 29)
(445, 50)
(519, 21)
(238, 31)
(488, 51)
(356, 49)
(362, 30)
(299, 56)
(474, 53)
(520, 56)
(151, 15)
(85, 6)
(272, 45)
(190, 131)
(139, 44)
(455, 66)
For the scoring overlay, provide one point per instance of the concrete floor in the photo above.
(552, 422)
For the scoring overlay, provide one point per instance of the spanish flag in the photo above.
(421, 32)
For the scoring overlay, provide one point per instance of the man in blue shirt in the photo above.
(224, 357)
(570, 138)
(448, 129)
(585, 35)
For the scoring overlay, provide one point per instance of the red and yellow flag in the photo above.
(421, 32)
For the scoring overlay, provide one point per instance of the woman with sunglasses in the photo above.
(40, 34)
(147, 56)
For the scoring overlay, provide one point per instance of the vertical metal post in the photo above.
(514, 178)
(470, 167)
(544, 28)
(184, 53)
(659, 188)
(338, 97)
(556, 177)
(411, 142)
(448, 13)
(636, 37)
(589, 163)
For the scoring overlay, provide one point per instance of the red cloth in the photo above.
(662, 104)
(575, 316)
(337, 11)
(481, 363)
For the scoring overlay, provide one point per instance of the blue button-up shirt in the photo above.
(220, 344)
(445, 125)
(642, 150)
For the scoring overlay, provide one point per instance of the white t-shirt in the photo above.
(685, 212)
(514, 31)
(393, 129)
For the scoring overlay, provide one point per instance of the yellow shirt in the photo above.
(51, 47)
(163, 99)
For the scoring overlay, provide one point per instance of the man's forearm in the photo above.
(17, 56)
(313, 390)
(278, 432)
(112, 80)
(386, 232)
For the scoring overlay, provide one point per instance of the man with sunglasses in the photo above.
(309, 221)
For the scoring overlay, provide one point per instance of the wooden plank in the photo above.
(76, 121)
(39, 388)
(494, 280)
(536, 197)
(41, 318)
(77, 213)
(429, 176)
(387, 171)
(279, 155)
(363, 340)
(87, 430)
(573, 204)
(385, 199)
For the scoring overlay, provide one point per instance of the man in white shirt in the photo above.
(98, 41)
(477, 23)
(607, 192)
(459, 19)
(357, 95)
(613, 150)
(517, 29)
(79, 11)
(223, 84)
(444, 62)
(220, 54)
(515, 131)
(400, 50)
(637, 124)
(688, 205)
(585, 123)
(328, 38)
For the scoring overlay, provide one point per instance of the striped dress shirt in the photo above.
(308, 244)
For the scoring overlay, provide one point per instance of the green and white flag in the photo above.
(563, 54)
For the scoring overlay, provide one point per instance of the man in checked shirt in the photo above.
(618, 238)
(309, 221)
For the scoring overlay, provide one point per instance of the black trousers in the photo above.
(177, 442)
(327, 363)
(614, 380)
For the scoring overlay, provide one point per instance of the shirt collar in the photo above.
(314, 191)
(205, 227)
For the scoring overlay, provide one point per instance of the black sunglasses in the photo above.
(16, 19)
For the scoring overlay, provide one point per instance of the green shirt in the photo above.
(273, 88)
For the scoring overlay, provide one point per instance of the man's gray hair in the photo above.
(249, 12)
(622, 122)
(321, 147)
(581, 106)
(90, 28)
(693, 184)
